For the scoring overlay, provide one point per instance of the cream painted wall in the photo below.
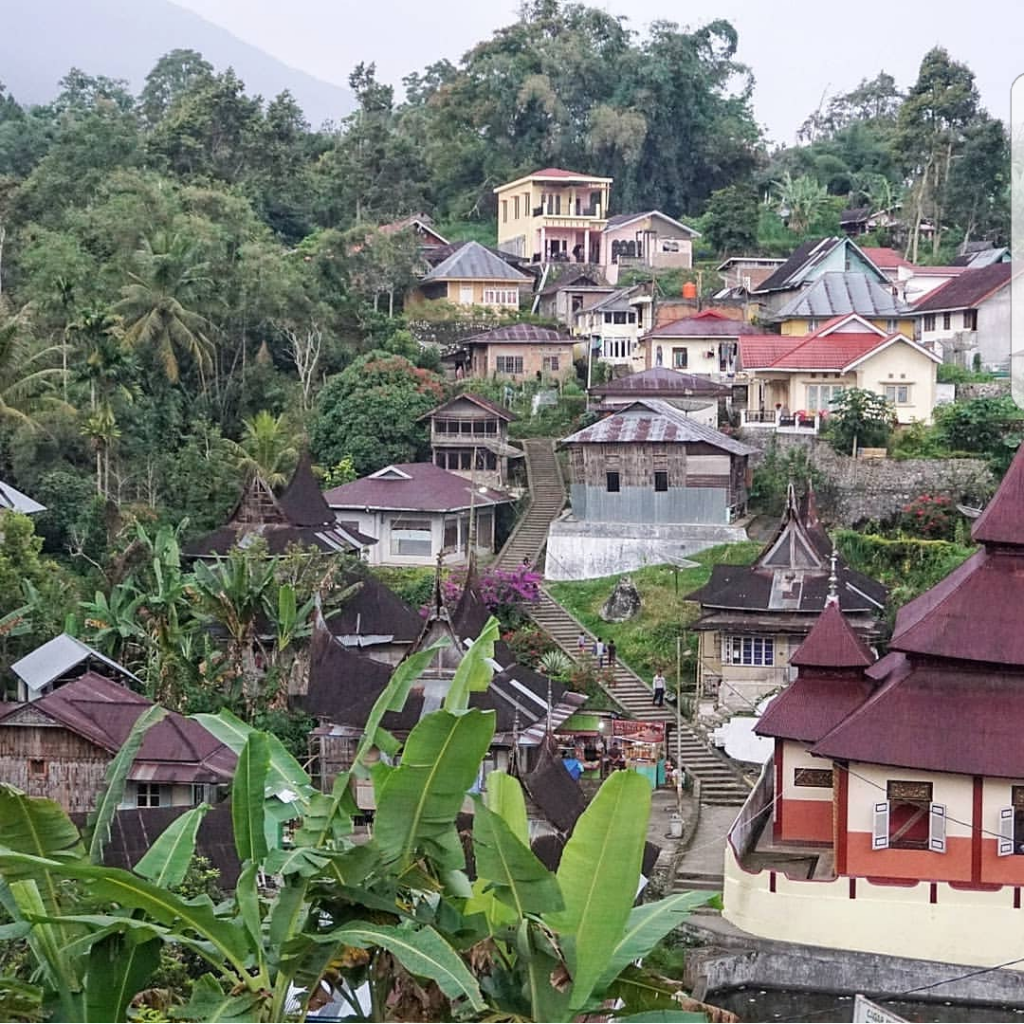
(902, 364)
(520, 235)
(796, 755)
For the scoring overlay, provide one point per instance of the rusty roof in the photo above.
(966, 290)
(484, 403)
(413, 487)
(515, 333)
(661, 382)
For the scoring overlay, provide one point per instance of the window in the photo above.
(929, 322)
(898, 394)
(147, 794)
(549, 364)
(612, 482)
(508, 364)
(749, 650)
(812, 324)
(198, 793)
(504, 211)
(669, 245)
(821, 396)
(607, 318)
(515, 207)
(501, 297)
(891, 325)
(618, 318)
(970, 319)
(947, 321)
(813, 778)
(451, 533)
(411, 537)
(1011, 824)
(465, 460)
(631, 317)
(909, 810)
(660, 480)
(680, 357)
(37, 767)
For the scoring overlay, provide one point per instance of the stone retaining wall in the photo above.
(993, 389)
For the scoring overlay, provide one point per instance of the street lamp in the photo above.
(680, 654)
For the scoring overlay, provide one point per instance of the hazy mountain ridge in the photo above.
(124, 39)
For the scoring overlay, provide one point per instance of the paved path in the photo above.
(547, 498)
(700, 867)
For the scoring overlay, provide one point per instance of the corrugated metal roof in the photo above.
(654, 420)
(56, 658)
(413, 487)
(519, 332)
(475, 262)
(967, 289)
(11, 498)
(840, 292)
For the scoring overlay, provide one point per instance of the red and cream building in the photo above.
(891, 816)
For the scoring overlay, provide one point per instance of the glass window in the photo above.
(607, 318)
(612, 481)
(660, 480)
(147, 794)
(929, 322)
(812, 324)
(550, 363)
(515, 207)
(508, 364)
(898, 394)
(680, 357)
(821, 396)
(909, 807)
(618, 318)
(411, 537)
(947, 321)
(504, 211)
(749, 650)
(891, 326)
(451, 533)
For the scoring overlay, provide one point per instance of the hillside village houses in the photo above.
(706, 343)
(473, 276)
(891, 817)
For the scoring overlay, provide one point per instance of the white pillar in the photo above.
(586, 245)
(543, 249)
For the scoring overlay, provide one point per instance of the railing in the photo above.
(755, 813)
(772, 419)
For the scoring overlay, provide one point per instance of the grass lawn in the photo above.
(648, 642)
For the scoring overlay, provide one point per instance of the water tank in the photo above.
(689, 290)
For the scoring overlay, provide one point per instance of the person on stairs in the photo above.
(612, 653)
(599, 652)
(658, 685)
(582, 642)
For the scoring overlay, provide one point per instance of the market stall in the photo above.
(641, 746)
(584, 738)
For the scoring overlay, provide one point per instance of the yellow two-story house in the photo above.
(553, 216)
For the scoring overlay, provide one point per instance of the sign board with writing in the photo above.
(867, 1012)
(641, 732)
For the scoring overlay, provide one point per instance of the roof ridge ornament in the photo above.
(833, 580)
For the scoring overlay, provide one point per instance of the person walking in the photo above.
(659, 689)
(612, 652)
(599, 651)
(581, 643)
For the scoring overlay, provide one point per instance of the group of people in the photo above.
(605, 653)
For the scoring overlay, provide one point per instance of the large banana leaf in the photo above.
(648, 925)
(421, 951)
(328, 817)
(505, 798)
(118, 968)
(511, 868)
(166, 862)
(247, 795)
(209, 1003)
(36, 826)
(475, 669)
(419, 800)
(117, 775)
(598, 874)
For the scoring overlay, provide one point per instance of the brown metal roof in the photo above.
(1002, 522)
(413, 487)
(661, 382)
(704, 325)
(832, 643)
(517, 333)
(484, 403)
(966, 290)
(813, 705)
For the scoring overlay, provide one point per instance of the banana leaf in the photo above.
(475, 669)
(247, 796)
(119, 967)
(166, 862)
(209, 1003)
(505, 798)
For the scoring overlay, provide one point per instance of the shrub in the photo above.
(931, 517)
(779, 467)
(529, 645)
(505, 591)
(860, 418)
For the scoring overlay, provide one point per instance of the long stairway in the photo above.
(547, 498)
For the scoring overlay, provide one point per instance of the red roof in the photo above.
(832, 352)
(885, 258)
(832, 643)
(412, 487)
(558, 172)
(810, 707)
(1002, 522)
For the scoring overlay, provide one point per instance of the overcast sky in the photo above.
(798, 49)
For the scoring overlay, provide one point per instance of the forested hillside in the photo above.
(181, 270)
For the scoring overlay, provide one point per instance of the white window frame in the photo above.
(501, 297)
(501, 364)
(821, 396)
(928, 324)
(148, 792)
(892, 394)
(748, 651)
(408, 542)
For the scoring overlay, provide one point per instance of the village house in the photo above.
(900, 782)
(297, 518)
(799, 377)
(705, 343)
(808, 262)
(860, 220)
(571, 292)
(60, 661)
(753, 617)
(60, 746)
(612, 325)
(473, 276)
(417, 511)
(981, 254)
(646, 241)
(420, 226)
(698, 397)
(649, 484)
(553, 215)
(469, 436)
(742, 274)
(969, 316)
(515, 353)
(888, 261)
(839, 293)
(373, 621)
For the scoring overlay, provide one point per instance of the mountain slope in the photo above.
(41, 40)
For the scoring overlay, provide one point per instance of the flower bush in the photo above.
(930, 516)
(529, 645)
(506, 591)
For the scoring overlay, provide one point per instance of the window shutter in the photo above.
(880, 834)
(1005, 845)
(937, 828)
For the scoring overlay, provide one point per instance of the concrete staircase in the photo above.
(547, 498)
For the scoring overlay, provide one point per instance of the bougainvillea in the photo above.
(505, 591)
(931, 516)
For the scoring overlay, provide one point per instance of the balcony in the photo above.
(772, 419)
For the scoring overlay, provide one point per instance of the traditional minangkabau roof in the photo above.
(300, 516)
(468, 396)
(791, 573)
(661, 382)
(373, 615)
(474, 262)
(966, 290)
(838, 293)
(653, 420)
(413, 487)
(175, 750)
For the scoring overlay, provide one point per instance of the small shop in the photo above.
(640, 746)
(585, 738)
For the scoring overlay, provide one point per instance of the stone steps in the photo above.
(706, 881)
(547, 494)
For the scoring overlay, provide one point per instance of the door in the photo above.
(466, 294)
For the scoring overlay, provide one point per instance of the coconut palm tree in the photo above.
(28, 372)
(268, 448)
(169, 277)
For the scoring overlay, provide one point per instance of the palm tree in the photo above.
(268, 449)
(28, 372)
(155, 304)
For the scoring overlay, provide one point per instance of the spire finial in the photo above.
(833, 580)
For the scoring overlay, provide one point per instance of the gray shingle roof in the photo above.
(474, 262)
(838, 293)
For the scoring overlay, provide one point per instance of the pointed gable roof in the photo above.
(474, 262)
(806, 257)
(302, 500)
(832, 644)
(839, 293)
(1002, 522)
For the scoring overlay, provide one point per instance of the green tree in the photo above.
(268, 448)
(730, 220)
(28, 375)
(173, 76)
(859, 419)
(800, 201)
(370, 412)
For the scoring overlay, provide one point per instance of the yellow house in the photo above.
(553, 215)
(473, 276)
(839, 293)
(792, 374)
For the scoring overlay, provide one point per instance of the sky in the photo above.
(799, 50)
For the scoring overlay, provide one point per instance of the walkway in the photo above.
(701, 865)
(547, 498)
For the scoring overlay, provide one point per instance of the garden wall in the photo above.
(990, 389)
(861, 489)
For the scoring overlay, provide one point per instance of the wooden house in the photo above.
(469, 437)
(754, 616)
(61, 745)
(696, 396)
(891, 819)
(374, 621)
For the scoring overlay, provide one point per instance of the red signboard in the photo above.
(639, 732)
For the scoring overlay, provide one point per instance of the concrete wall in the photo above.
(378, 524)
(584, 550)
(804, 813)
(484, 360)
